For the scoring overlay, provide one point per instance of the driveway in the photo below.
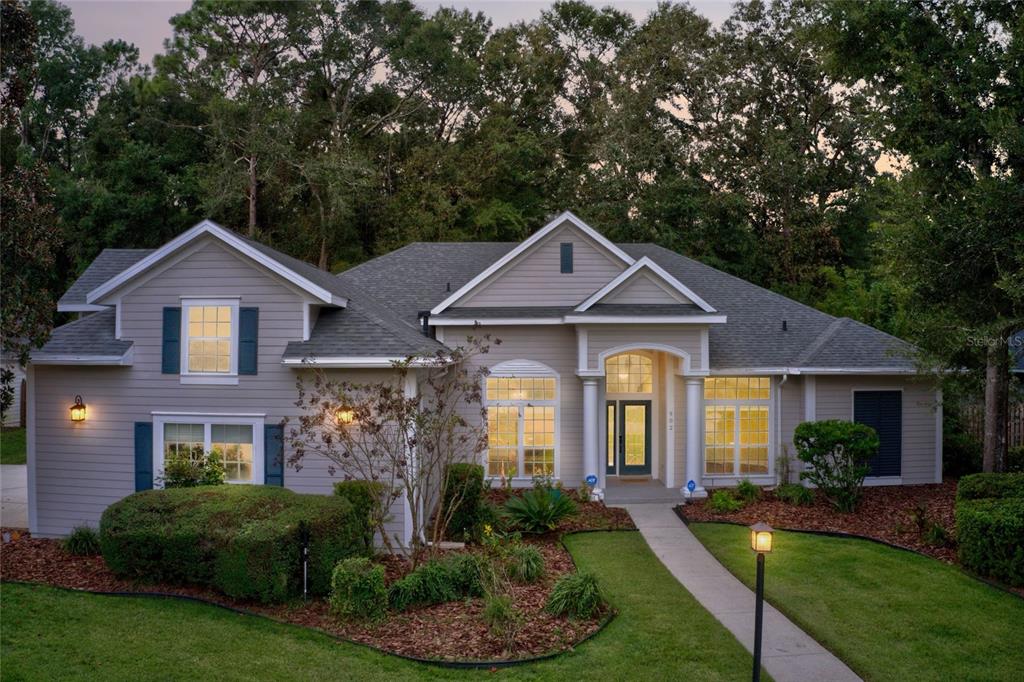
(14, 491)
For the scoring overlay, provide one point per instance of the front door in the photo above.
(628, 448)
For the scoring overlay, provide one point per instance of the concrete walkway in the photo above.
(14, 492)
(788, 653)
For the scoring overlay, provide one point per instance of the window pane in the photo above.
(719, 436)
(209, 342)
(753, 440)
(737, 388)
(611, 435)
(502, 440)
(183, 440)
(629, 373)
(538, 441)
(234, 442)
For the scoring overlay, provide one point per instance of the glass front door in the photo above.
(628, 446)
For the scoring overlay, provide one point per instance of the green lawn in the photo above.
(661, 633)
(889, 614)
(12, 446)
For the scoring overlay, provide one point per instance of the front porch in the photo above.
(622, 491)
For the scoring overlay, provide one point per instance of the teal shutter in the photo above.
(273, 453)
(248, 339)
(143, 456)
(171, 362)
(566, 254)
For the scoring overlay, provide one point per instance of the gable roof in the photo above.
(644, 264)
(523, 247)
(317, 283)
(108, 264)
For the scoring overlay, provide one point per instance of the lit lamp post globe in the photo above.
(761, 537)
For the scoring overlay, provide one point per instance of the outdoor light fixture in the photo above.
(761, 543)
(345, 415)
(78, 410)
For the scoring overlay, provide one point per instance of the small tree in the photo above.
(838, 452)
(381, 431)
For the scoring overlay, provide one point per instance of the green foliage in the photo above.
(187, 470)
(446, 579)
(747, 491)
(723, 501)
(990, 537)
(796, 494)
(503, 619)
(539, 510)
(961, 450)
(464, 500)
(1015, 460)
(838, 453)
(575, 595)
(82, 541)
(525, 564)
(245, 541)
(366, 500)
(358, 591)
(982, 486)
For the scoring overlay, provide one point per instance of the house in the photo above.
(618, 362)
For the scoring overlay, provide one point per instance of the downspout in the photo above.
(778, 427)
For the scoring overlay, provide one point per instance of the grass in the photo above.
(889, 614)
(12, 446)
(660, 633)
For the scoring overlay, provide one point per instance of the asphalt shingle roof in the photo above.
(109, 263)
(92, 335)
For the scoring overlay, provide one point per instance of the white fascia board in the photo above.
(71, 359)
(79, 308)
(641, 264)
(353, 362)
(644, 319)
(503, 321)
(213, 229)
(566, 216)
(881, 371)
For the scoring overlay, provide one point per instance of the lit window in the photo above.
(235, 442)
(183, 440)
(521, 426)
(210, 331)
(736, 425)
(629, 373)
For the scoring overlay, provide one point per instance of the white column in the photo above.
(694, 407)
(591, 460)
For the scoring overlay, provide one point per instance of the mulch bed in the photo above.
(454, 631)
(885, 513)
(589, 516)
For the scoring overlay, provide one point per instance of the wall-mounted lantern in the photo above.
(78, 410)
(345, 415)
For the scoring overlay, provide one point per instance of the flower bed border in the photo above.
(438, 662)
(679, 511)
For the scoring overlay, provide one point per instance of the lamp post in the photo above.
(761, 543)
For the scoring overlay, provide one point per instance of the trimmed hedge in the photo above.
(365, 498)
(990, 534)
(245, 541)
(983, 486)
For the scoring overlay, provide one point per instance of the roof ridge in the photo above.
(814, 346)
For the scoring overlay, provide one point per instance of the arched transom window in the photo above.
(629, 373)
(522, 411)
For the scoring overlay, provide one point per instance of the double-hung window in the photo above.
(237, 439)
(736, 425)
(210, 338)
(521, 426)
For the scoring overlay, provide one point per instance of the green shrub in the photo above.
(366, 499)
(502, 618)
(575, 595)
(723, 501)
(935, 535)
(191, 469)
(83, 541)
(990, 536)
(982, 486)
(525, 564)
(838, 453)
(464, 500)
(245, 541)
(747, 491)
(539, 510)
(358, 591)
(796, 494)
(1015, 460)
(438, 581)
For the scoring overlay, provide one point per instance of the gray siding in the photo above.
(791, 405)
(835, 401)
(683, 337)
(82, 468)
(641, 289)
(535, 277)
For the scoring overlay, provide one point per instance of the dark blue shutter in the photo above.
(248, 339)
(171, 363)
(143, 456)
(567, 257)
(883, 411)
(273, 449)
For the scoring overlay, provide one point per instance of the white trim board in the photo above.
(579, 319)
(659, 272)
(208, 227)
(558, 221)
(352, 361)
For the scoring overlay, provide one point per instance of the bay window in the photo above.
(736, 425)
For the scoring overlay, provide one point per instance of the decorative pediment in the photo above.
(644, 283)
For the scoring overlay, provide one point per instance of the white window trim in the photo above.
(768, 402)
(207, 420)
(527, 369)
(215, 378)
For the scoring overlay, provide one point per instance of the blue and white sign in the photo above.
(691, 486)
(591, 480)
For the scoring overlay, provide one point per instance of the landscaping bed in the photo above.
(589, 516)
(887, 513)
